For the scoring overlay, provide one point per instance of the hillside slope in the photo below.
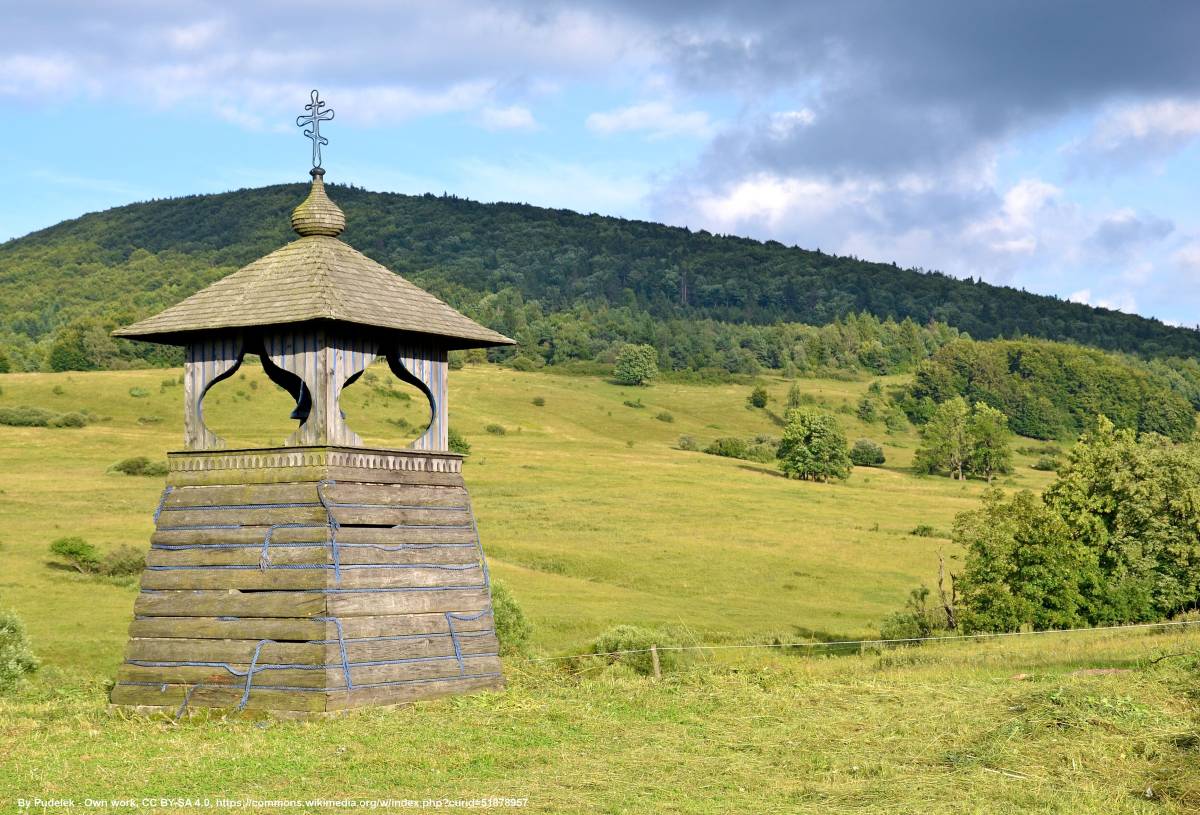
(127, 262)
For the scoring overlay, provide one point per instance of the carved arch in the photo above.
(206, 362)
(426, 366)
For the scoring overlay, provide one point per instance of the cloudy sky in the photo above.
(1047, 145)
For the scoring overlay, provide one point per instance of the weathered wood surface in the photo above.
(400, 694)
(218, 603)
(233, 603)
(352, 555)
(172, 695)
(283, 628)
(336, 493)
(249, 515)
(466, 601)
(352, 577)
(407, 553)
(385, 535)
(192, 675)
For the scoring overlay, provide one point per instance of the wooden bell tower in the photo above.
(322, 574)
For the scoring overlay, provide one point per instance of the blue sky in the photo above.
(1051, 146)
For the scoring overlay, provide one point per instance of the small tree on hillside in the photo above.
(636, 365)
(866, 453)
(813, 446)
(795, 396)
(989, 436)
(758, 397)
(945, 442)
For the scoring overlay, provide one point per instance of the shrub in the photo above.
(457, 442)
(895, 420)
(924, 531)
(539, 401)
(69, 420)
(665, 416)
(123, 562)
(138, 393)
(689, 443)
(25, 416)
(866, 453)
(762, 453)
(512, 628)
(58, 390)
(758, 397)
(636, 639)
(496, 429)
(16, 656)
(1046, 464)
(635, 365)
(868, 410)
(150, 420)
(728, 446)
(634, 403)
(524, 364)
(140, 465)
(77, 552)
(169, 382)
(916, 621)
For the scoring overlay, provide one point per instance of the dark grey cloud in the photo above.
(895, 86)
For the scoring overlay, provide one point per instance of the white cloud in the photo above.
(1117, 301)
(513, 117)
(610, 190)
(1141, 132)
(658, 120)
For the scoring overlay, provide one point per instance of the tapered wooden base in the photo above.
(310, 580)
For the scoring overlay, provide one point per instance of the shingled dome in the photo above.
(314, 278)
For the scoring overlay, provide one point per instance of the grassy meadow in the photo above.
(593, 517)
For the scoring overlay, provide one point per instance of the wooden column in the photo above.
(426, 365)
(207, 362)
(325, 363)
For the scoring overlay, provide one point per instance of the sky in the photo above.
(1052, 146)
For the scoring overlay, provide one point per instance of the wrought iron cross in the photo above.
(313, 120)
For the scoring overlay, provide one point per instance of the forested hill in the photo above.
(115, 266)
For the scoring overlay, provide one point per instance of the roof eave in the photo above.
(452, 342)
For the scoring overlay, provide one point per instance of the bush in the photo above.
(539, 401)
(144, 420)
(636, 639)
(140, 465)
(689, 443)
(69, 420)
(1046, 464)
(634, 403)
(868, 410)
(512, 628)
(866, 453)
(123, 561)
(25, 416)
(728, 446)
(758, 397)
(635, 365)
(665, 416)
(77, 552)
(496, 429)
(138, 393)
(457, 442)
(762, 453)
(924, 531)
(16, 657)
(916, 621)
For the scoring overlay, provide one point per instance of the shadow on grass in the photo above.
(761, 470)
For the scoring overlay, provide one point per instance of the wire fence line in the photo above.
(901, 641)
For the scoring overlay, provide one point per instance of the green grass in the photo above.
(588, 532)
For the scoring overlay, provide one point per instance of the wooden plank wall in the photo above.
(388, 603)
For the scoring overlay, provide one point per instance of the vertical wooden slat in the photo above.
(206, 362)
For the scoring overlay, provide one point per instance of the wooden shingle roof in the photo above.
(316, 277)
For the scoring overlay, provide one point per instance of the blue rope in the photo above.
(264, 559)
(333, 529)
(341, 641)
(162, 502)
